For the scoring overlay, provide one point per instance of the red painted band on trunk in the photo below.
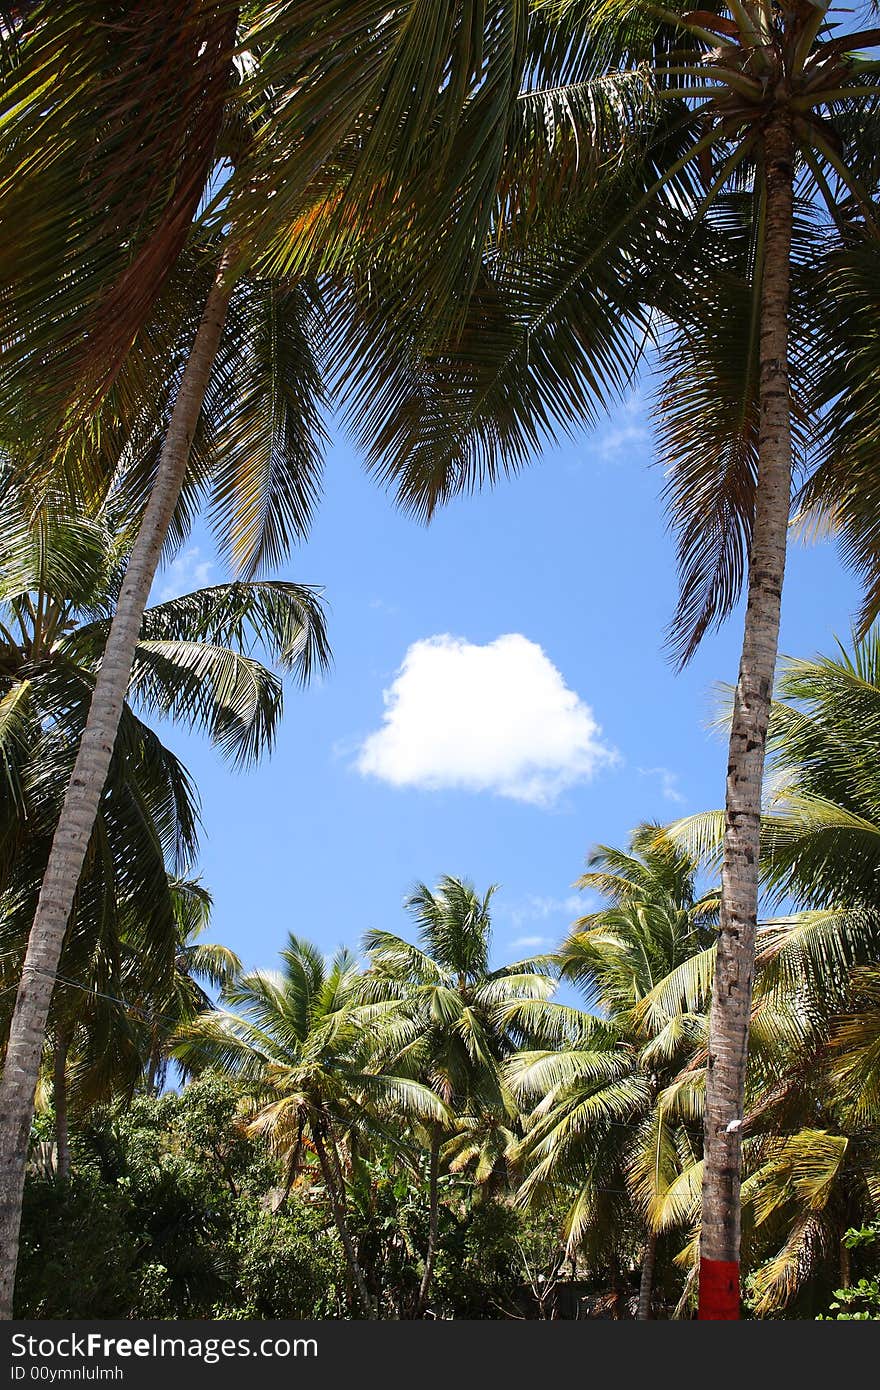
(719, 1290)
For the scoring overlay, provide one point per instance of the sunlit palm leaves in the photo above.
(458, 1017)
(607, 1119)
(198, 662)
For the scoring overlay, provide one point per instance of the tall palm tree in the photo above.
(458, 1026)
(115, 1009)
(330, 134)
(811, 1119)
(682, 191)
(605, 1126)
(62, 577)
(301, 1038)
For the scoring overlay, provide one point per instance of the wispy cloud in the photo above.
(628, 429)
(188, 571)
(496, 718)
(539, 922)
(668, 782)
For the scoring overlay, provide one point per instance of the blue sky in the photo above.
(579, 727)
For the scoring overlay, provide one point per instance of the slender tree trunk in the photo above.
(433, 1224)
(59, 1100)
(83, 794)
(734, 971)
(646, 1282)
(845, 1266)
(338, 1211)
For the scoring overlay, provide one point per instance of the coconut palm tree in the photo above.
(749, 157)
(314, 135)
(811, 1121)
(607, 1126)
(301, 1038)
(62, 576)
(458, 1026)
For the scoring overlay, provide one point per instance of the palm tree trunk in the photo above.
(646, 1282)
(86, 784)
(734, 971)
(433, 1224)
(338, 1211)
(845, 1265)
(59, 1101)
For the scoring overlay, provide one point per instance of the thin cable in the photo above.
(144, 1015)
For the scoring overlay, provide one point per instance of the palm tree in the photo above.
(301, 1039)
(458, 1027)
(664, 195)
(607, 1124)
(321, 127)
(681, 190)
(811, 1114)
(62, 576)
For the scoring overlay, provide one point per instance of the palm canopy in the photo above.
(602, 1128)
(302, 1040)
(629, 214)
(591, 170)
(305, 126)
(459, 1017)
(197, 662)
(655, 922)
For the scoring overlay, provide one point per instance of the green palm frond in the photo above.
(678, 1204)
(269, 438)
(685, 990)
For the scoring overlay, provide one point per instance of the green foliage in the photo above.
(169, 1214)
(174, 1211)
(84, 1226)
(857, 1303)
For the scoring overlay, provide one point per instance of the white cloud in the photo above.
(668, 782)
(496, 718)
(537, 909)
(627, 430)
(557, 913)
(187, 571)
(614, 441)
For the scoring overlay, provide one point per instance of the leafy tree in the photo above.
(169, 1213)
(195, 662)
(607, 1126)
(300, 1039)
(458, 1027)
